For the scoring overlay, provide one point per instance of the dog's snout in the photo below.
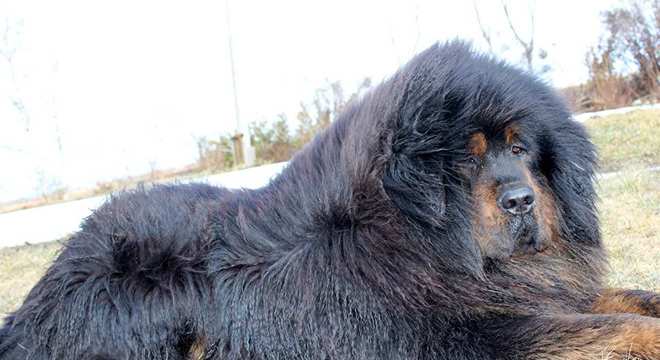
(516, 200)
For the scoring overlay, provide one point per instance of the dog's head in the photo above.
(489, 155)
(514, 212)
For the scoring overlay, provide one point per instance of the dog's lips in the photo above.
(523, 231)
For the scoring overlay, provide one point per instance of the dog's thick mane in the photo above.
(376, 194)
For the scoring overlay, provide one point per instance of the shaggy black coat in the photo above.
(360, 249)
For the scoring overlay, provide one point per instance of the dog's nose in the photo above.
(516, 200)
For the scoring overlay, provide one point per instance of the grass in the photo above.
(629, 208)
(20, 268)
(630, 219)
(626, 140)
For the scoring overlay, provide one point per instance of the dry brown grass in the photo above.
(20, 268)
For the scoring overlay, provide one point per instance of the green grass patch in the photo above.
(624, 140)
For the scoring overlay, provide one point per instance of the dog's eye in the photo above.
(474, 161)
(518, 150)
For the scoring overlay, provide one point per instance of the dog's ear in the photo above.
(416, 177)
(418, 181)
(568, 160)
(418, 193)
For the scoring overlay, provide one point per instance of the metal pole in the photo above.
(233, 70)
(237, 138)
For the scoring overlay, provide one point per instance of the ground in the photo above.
(627, 140)
(629, 146)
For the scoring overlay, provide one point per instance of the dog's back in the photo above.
(130, 284)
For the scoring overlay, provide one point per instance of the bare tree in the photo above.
(529, 50)
(485, 33)
(625, 64)
(8, 47)
(635, 38)
(528, 46)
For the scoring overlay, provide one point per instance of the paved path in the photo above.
(586, 116)
(612, 174)
(51, 222)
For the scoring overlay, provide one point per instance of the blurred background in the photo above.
(96, 91)
(99, 96)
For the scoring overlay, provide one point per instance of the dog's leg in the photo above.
(574, 337)
(640, 302)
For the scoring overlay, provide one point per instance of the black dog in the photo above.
(448, 214)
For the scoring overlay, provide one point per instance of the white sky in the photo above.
(128, 84)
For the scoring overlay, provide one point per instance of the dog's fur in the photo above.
(381, 239)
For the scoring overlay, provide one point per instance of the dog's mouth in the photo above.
(525, 235)
(519, 237)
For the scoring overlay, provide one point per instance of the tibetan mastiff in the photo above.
(447, 214)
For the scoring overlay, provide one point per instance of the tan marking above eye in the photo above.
(510, 134)
(478, 144)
